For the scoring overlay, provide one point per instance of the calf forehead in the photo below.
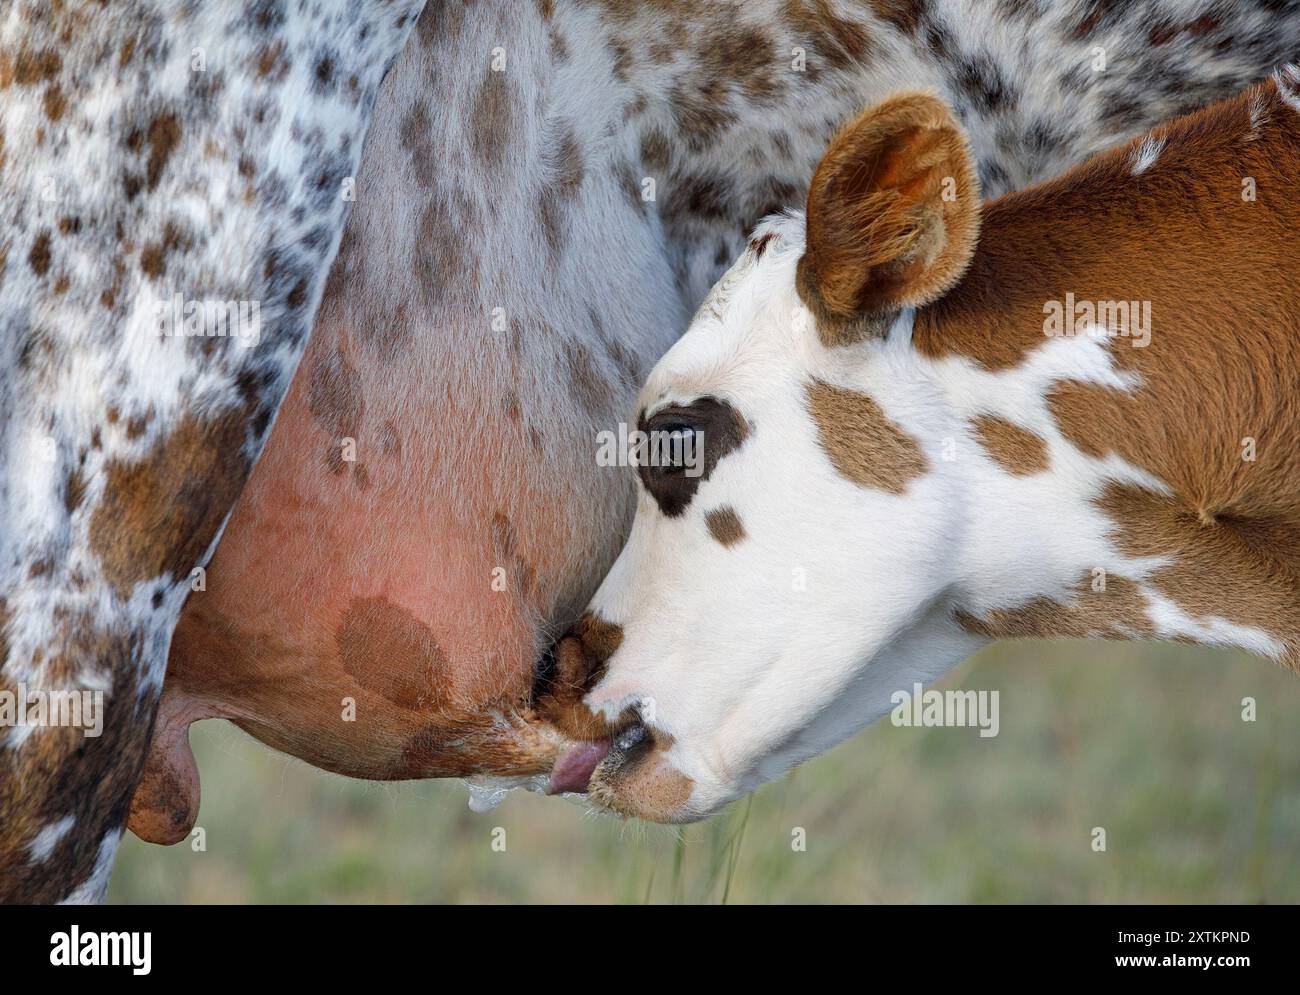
(750, 315)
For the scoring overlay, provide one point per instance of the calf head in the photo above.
(774, 593)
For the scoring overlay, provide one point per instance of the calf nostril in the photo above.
(544, 673)
(633, 736)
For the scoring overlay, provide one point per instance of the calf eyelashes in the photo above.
(719, 428)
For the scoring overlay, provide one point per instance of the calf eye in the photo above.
(676, 448)
(683, 442)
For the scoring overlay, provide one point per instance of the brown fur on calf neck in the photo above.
(1221, 371)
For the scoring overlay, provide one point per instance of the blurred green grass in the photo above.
(1145, 740)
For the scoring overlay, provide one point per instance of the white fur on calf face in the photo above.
(753, 645)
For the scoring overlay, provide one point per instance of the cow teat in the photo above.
(166, 800)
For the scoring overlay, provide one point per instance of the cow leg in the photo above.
(209, 166)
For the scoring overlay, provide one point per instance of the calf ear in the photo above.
(893, 216)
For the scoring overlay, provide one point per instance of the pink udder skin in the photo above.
(366, 617)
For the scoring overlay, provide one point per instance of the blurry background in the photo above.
(1145, 740)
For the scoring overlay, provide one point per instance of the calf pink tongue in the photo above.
(574, 769)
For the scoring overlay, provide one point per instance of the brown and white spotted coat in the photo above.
(146, 150)
(506, 281)
(934, 457)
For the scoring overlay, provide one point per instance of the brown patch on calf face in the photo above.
(1118, 612)
(158, 514)
(392, 653)
(601, 637)
(1016, 449)
(654, 790)
(724, 525)
(579, 662)
(861, 442)
(641, 783)
(759, 245)
(720, 429)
